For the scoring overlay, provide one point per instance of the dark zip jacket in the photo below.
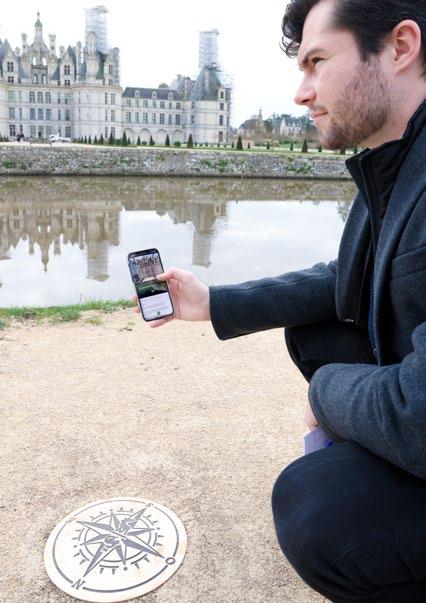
(380, 272)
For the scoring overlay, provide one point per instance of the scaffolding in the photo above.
(208, 56)
(96, 22)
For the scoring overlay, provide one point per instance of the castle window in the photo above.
(154, 94)
(35, 78)
(192, 119)
(170, 105)
(11, 112)
(112, 99)
(110, 83)
(170, 119)
(220, 120)
(40, 114)
(106, 98)
(59, 115)
(10, 79)
(145, 103)
(33, 132)
(112, 114)
(48, 97)
(68, 131)
(67, 82)
(178, 105)
(67, 70)
(39, 97)
(11, 95)
(10, 67)
(171, 95)
(48, 114)
(136, 103)
(113, 132)
(32, 114)
(106, 132)
(154, 103)
(220, 136)
(162, 105)
(67, 115)
(136, 93)
(128, 102)
(137, 117)
(12, 130)
(110, 69)
(43, 78)
(106, 114)
(145, 118)
(67, 98)
(20, 114)
(177, 120)
(222, 107)
(128, 116)
(153, 118)
(222, 94)
(59, 99)
(161, 118)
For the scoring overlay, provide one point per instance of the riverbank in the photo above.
(80, 160)
(94, 410)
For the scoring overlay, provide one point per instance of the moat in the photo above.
(65, 240)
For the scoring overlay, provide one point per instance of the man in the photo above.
(351, 518)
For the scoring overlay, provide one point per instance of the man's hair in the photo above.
(370, 21)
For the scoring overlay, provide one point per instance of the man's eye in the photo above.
(316, 60)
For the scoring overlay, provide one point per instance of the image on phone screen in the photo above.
(153, 295)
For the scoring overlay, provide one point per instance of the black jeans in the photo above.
(352, 525)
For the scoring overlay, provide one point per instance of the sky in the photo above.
(158, 40)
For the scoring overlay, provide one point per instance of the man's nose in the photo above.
(305, 94)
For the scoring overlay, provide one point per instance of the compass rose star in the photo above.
(117, 537)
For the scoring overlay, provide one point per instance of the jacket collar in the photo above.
(384, 162)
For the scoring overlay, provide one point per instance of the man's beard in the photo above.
(361, 111)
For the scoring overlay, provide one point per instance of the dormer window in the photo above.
(154, 95)
(10, 67)
(67, 70)
(137, 94)
(171, 95)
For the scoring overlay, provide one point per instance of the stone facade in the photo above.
(80, 160)
(77, 93)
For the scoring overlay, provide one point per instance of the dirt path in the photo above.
(173, 415)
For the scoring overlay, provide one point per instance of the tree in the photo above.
(268, 145)
(111, 139)
(151, 141)
(232, 145)
(95, 140)
(248, 145)
(85, 140)
(292, 146)
(167, 143)
(89, 140)
(138, 142)
(355, 150)
(124, 140)
(190, 142)
(343, 151)
(239, 143)
(319, 148)
(101, 139)
(305, 146)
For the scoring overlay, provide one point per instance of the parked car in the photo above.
(57, 138)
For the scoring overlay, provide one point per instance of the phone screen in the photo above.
(154, 297)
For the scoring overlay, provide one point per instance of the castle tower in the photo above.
(96, 23)
(208, 55)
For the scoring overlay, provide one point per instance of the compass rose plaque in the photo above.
(115, 550)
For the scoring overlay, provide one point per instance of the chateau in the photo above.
(77, 92)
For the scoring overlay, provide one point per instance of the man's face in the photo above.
(348, 98)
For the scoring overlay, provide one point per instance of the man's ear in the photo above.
(405, 43)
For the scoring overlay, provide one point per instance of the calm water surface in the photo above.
(65, 240)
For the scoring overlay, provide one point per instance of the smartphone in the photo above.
(153, 295)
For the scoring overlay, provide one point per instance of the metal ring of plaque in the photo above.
(115, 550)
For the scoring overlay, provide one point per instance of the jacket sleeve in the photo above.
(294, 298)
(383, 408)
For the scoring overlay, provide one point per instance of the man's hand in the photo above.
(191, 298)
(310, 419)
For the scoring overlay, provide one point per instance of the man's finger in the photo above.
(153, 324)
(175, 273)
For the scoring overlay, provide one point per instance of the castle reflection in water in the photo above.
(51, 212)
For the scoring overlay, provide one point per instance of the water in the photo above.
(66, 240)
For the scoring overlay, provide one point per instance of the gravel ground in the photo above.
(92, 411)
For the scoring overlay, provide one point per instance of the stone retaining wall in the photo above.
(21, 159)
